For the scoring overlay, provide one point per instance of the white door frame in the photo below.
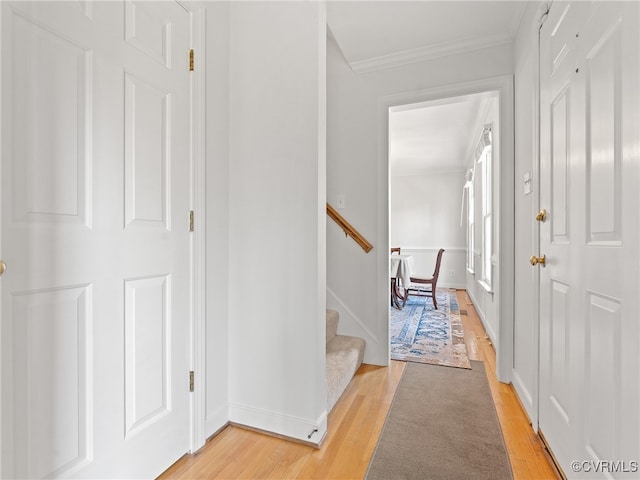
(536, 180)
(530, 398)
(1, 354)
(198, 245)
(505, 206)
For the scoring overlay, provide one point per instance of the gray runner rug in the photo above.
(442, 424)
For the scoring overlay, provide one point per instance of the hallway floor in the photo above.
(354, 426)
(528, 455)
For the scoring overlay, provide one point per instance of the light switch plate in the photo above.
(341, 201)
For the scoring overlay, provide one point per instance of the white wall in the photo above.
(525, 358)
(424, 216)
(277, 237)
(217, 215)
(265, 179)
(357, 165)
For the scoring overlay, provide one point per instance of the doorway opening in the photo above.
(444, 187)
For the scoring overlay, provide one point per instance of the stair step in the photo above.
(332, 324)
(344, 357)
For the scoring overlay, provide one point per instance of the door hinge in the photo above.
(191, 62)
(191, 221)
(191, 381)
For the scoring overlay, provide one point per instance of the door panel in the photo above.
(603, 108)
(602, 378)
(95, 202)
(590, 144)
(53, 327)
(147, 134)
(49, 175)
(559, 337)
(146, 30)
(559, 166)
(147, 359)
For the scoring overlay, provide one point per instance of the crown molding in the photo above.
(430, 52)
(426, 171)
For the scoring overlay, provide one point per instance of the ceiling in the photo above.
(437, 135)
(381, 34)
(377, 33)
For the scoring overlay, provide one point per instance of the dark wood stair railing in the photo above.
(348, 229)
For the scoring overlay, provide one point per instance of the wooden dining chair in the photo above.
(416, 286)
(395, 294)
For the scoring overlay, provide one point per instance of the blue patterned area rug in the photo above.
(419, 333)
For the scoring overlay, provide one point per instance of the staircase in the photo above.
(344, 357)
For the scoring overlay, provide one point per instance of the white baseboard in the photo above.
(487, 328)
(523, 394)
(300, 429)
(216, 420)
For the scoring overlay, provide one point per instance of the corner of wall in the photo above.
(217, 214)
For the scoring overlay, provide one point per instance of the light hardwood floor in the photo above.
(354, 426)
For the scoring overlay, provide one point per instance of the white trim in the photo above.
(198, 139)
(528, 394)
(400, 173)
(516, 22)
(486, 325)
(485, 286)
(286, 425)
(422, 54)
(433, 249)
(534, 414)
(525, 397)
(217, 420)
(352, 315)
(503, 216)
(2, 377)
(478, 126)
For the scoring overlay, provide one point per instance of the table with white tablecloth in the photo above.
(400, 269)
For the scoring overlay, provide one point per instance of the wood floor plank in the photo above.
(354, 427)
(528, 456)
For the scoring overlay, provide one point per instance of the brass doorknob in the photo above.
(542, 215)
(3, 267)
(537, 260)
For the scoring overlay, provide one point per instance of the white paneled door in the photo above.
(95, 201)
(589, 290)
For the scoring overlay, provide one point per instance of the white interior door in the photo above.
(589, 289)
(95, 202)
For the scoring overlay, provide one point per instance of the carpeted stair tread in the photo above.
(344, 356)
(332, 324)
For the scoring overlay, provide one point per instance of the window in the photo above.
(487, 224)
(480, 211)
(470, 220)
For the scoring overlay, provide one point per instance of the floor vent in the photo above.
(463, 312)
